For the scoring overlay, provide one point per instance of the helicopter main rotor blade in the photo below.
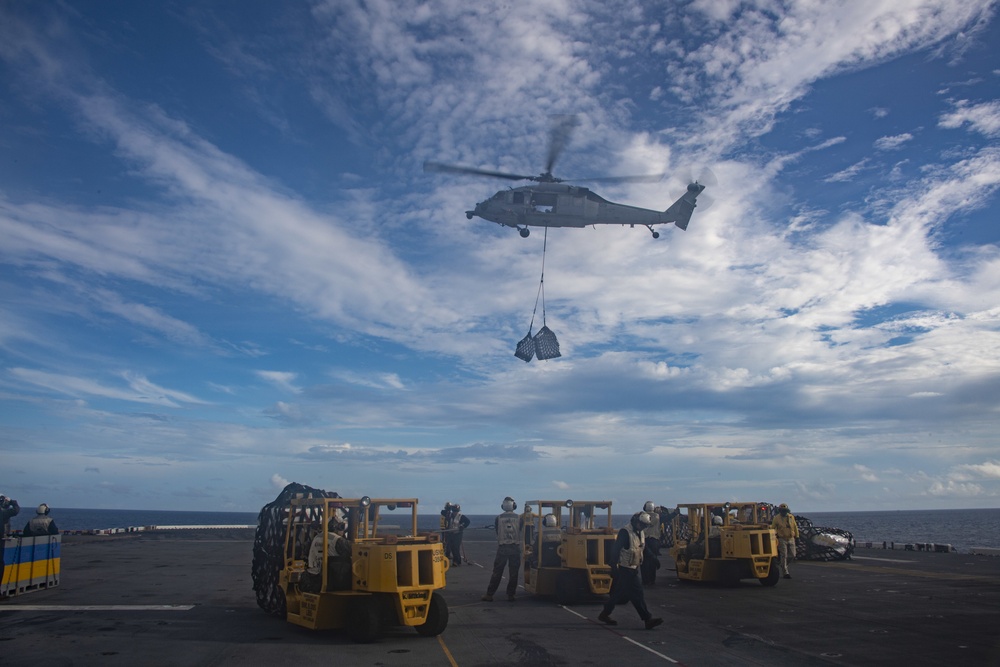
(562, 130)
(651, 178)
(458, 169)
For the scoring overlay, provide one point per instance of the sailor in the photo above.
(625, 583)
(340, 549)
(787, 531)
(8, 508)
(653, 537)
(40, 524)
(457, 523)
(528, 524)
(445, 522)
(508, 530)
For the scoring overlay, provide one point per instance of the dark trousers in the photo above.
(509, 555)
(626, 587)
(453, 547)
(650, 561)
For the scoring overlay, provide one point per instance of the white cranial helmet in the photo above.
(43, 509)
(644, 519)
(649, 506)
(549, 521)
(508, 504)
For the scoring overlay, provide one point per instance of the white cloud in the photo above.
(867, 474)
(848, 174)
(139, 389)
(983, 118)
(283, 379)
(893, 142)
(985, 470)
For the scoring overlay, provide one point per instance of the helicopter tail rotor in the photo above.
(680, 211)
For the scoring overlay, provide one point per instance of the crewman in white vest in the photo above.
(508, 529)
(626, 585)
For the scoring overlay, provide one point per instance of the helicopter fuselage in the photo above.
(564, 205)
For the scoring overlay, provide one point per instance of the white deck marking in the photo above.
(628, 639)
(884, 560)
(96, 607)
(656, 653)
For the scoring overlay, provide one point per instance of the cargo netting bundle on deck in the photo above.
(814, 542)
(269, 546)
(820, 543)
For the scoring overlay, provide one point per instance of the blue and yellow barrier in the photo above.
(30, 563)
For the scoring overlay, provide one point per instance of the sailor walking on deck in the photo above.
(787, 531)
(626, 559)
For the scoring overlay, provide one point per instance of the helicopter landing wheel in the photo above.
(468, 215)
(523, 231)
(652, 231)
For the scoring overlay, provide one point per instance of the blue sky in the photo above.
(222, 267)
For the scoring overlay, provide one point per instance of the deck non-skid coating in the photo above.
(186, 598)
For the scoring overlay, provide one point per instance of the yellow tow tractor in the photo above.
(724, 542)
(390, 575)
(568, 555)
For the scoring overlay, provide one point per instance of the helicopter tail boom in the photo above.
(680, 211)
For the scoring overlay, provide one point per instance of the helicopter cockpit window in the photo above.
(518, 197)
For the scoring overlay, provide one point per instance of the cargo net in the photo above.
(814, 542)
(544, 344)
(820, 543)
(269, 546)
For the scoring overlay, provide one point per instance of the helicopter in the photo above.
(552, 202)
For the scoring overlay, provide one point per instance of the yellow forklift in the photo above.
(724, 542)
(390, 575)
(567, 549)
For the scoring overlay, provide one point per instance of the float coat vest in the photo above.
(632, 556)
(507, 526)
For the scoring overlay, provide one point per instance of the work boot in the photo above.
(605, 618)
(487, 598)
(788, 576)
(653, 622)
(511, 598)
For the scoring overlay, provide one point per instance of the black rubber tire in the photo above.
(364, 625)
(773, 574)
(524, 232)
(281, 608)
(437, 617)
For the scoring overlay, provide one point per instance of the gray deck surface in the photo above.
(185, 598)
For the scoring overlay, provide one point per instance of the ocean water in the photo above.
(963, 529)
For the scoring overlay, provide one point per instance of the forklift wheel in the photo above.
(437, 617)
